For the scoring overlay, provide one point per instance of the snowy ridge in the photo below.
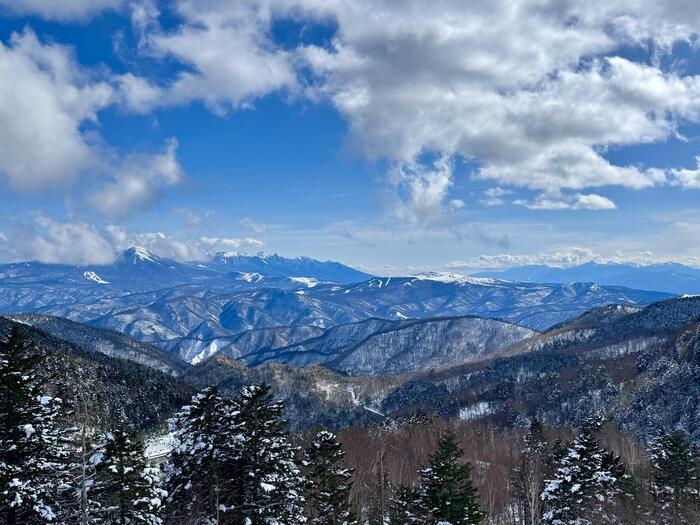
(448, 277)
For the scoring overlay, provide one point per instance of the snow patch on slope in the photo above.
(448, 277)
(92, 276)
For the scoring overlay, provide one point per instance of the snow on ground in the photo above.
(250, 277)
(92, 276)
(475, 411)
(448, 277)
(204, 354)
(310, 282)
(160, 446)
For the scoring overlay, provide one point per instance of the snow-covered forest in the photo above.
(235, 462)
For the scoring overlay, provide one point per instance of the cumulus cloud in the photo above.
(75, 242)
(687, 178)
(227, 47)
(577, 201)
(72, 241)
(225, 244)
(534, 91)
(494, 196)
(192, 249)
(421, 190)
(45, 100)
(563, 258)
(62, 10)
(138, 181)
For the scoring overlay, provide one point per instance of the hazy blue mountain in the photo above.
(197, 310)
(275, 265)
(667, 277)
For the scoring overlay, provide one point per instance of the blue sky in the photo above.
(382, 134)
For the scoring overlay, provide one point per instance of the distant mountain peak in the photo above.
(138, 254)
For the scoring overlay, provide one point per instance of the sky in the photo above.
(397, 136)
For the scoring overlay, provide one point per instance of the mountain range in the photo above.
(241, 306)
(666, 277)
(636, 366)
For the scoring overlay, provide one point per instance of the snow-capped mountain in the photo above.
(240, 305)
(666, 277)
(276, 265)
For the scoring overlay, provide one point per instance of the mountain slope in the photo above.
(637, 367)
(108, 342)
(667, 277)
(378, 347)
(275, 265)
(197, 310)
(112, 388)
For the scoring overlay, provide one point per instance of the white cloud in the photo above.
(225, 244)
(138, 181)
(65, 242)
(254, 226)
(192, 249)
(62, 10)
(687, 178)
(563, 258)
(421, 190)
(229, 52)
(532, 90)
(493, 196)
(45, 100)
(577, 201)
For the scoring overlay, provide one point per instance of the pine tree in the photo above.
(674, 473)
(126, 487)
(447, 492)
(405, 507)
(328, 482)
(269, 482)
(32, 473)
(586, 482)
(204, 469)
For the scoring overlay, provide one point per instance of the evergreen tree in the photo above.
(203, 470)
(125, 485)
(328, 482)
(586, 482)
(674, 473)
(405, 507)
(448, 494)
(32, 461)
(268, 483)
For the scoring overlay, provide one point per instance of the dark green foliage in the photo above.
(328, 482)
(125, 486)
(202, 469)
(234, 463)
(675, 474)
(32, 472)
(447, 490)
(587, 481)
(271, 483)
(405, 508)
(115, 389)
